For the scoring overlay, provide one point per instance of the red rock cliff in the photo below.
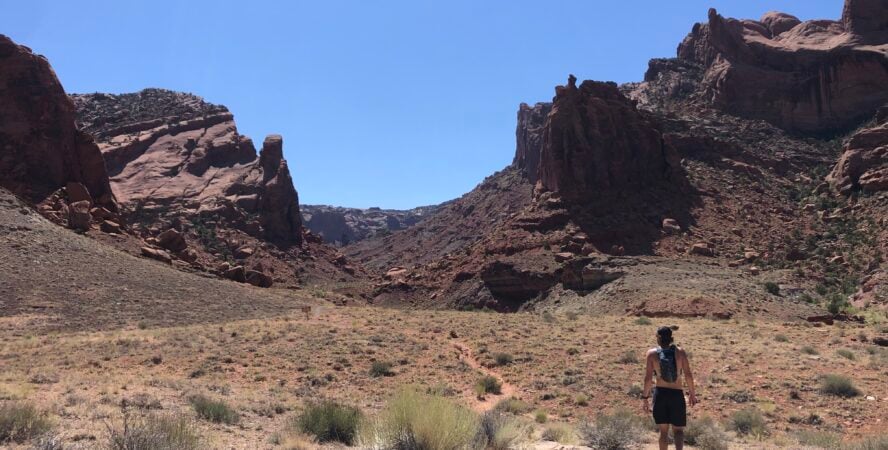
(819, 76)
(41, 149)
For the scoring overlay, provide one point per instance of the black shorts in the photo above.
(669, 407)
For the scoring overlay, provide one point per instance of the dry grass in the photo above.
(265, 368)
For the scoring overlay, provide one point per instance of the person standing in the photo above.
(664, 366)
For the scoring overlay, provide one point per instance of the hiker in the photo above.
(666, 363)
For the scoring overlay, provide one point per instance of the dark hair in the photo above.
(664, 336)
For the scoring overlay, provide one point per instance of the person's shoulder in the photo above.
(651, 351)
(680, 351)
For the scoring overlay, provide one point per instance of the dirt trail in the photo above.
(464, 353)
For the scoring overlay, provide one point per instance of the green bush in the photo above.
(512, 406)
(643, 321)
(748, 421)
(845, 353)
(330, 422)
(503, 359)
(628, 357)
(381, 369)
(559, 432)
(153, 432)
(870, 443)
(488, 385)
(20, 422)
(808, 350)
(499, 431)
(540, 417)
(838, 385)
(819, 439)
(781, 338)
(216, 411)
(413, 420)
(772, 288)
(705, 434)
(618, 431)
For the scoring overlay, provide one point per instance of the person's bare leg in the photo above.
(664, 436)
(679, 434)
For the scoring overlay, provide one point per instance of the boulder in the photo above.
(108, 226)
(79, 217)
(257, 278)
(158, 254)
(236, 273)
(671, 226)
(172, 240)
(702, 249)
(77, 192)
(188, 255)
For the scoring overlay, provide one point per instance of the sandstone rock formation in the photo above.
(594, 139)
(173, 155)
(41, 149)
(529, 138)
(864, 162)
(819, 76)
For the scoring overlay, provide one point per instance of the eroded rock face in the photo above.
(596, 140)
(529, 138)
(864, 162)
(819, 76)
(173, 155)
(41, 149)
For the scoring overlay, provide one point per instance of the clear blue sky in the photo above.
(381, 103)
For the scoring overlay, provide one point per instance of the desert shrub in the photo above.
(48, 441)
(705, 434)
(21, 421)
(772, 288)
(617, 431)
(559, 432)
(819, 439)
(838, 385)
(548, 317)
(870, 443)
(781, 338)
(741, 396)
(643, 321)
(381, 369)
(540, 417)
(329, 422)
(413, 420)
(499, 431)
(748, 421)
(629, 357)
(503, 359)
(488, 385)
(153, 432)
(635, 391)
(581, 400)
(216, 411)
(845, 353)
(808, 350)
(512, 406)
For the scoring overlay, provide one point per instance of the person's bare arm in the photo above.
(648, 380)
(689, 378)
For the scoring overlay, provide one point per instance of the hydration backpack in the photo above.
(668, 365)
